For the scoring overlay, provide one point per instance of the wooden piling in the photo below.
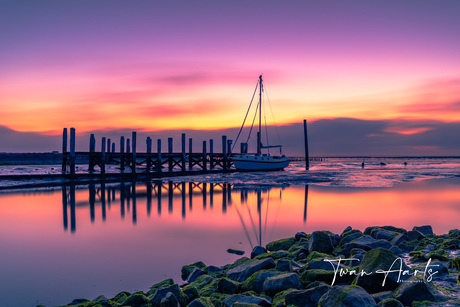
(211, 154)
(183, 153)
(149, 151)
(229, 152)
(128, 146)
(72, 152)
(103, 156)
(307, 158)
(122, 153)
(170, 150)
(113, 147)
(64, 150)
(204, 161)
(190, 159)
(224, 152)
(133, 162)
(160, 161)
(109, 143)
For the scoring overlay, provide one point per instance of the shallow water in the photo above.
(83, 241)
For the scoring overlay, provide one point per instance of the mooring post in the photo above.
(128, 146)
(190, 159)
(204, 156)
(229, 152)
(170, 149)
(183, 152)
(109, 143)
(64, 150)
(307, 158)
(113, 147)
(159, 162)
(134, 143)
(122, 153)
(92, 149)
(103, 156)
(224, 152)
(72, 151)
(149, 151)
(211, 153)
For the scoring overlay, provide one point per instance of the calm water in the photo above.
(83, 241)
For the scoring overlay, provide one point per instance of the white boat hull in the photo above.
(260, 163)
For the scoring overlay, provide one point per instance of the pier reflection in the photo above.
(102, 197)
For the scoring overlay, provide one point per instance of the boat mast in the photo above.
(259, 135)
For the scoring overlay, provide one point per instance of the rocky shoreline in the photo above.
(382, 266)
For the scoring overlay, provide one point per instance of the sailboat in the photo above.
(259, 161)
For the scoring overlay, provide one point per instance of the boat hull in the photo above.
(260, 163)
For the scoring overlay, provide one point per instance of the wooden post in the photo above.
(128, 146)
(170, 149)
(190, 159)
(72, 151)
(122, 153)
(64, 150)
(224, 152)
(159, 162)
(92, 149)
(183, 152)
(103, 156)
(109, 143)
(211, 153)
(307, 158)
(134, 143)
(204, 156)
(113, 147)
(229, 152)
(149, 151)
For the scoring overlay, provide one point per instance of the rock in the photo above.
(380, 259)
(313, 275)
(121, 297)
(161, 284)
(390, 302)
(195, 274)
(136, 299)
(415, 290)
(79, 301)
(283, 244)
(235, 251)
(426, 230)
(215, 271)
(245, 270)
(335, 239)
(256, 281)
(350, 237)
(162, 292)
(346, 230)
(394, 229)
(201, 302)
(239, 298)
(258, 250)
(191, 293)
(301, 253)
(187, 269)
(380, 296)
(284, 265)
(396, 250)
(275, 284)
(308, 297)
(366, 243)
(323, 265)
(227, 286)
(320, 242)
(382, 234)
(169, 300)
(346, 296)
(300, 235)
(316, 255)
(414, 235)
(274, 255)
(399, 239)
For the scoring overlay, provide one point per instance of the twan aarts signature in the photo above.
(396, 267)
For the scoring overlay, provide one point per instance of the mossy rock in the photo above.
(137, 299)
(437, 256)
(161, 284)
(283, 244)
(419, 257)
(121, 297)
(279, 298)
(298, 245)
(200, 282)
(191, 293)
(202, 301)
(317, 255)
(274, 255)
(208, 289)
(255, 282)
(317, 275)
(217, 298)
(390, 302)
(235, 264)
(350, 232)
(346, 296)
(456, 263)
(187, 269)
(227, 286)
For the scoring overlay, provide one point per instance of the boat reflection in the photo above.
(102, 197)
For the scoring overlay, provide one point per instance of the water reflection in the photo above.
(102, 197)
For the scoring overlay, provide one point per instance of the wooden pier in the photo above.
(133, 161)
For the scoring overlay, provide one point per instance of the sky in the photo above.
(382, 75)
